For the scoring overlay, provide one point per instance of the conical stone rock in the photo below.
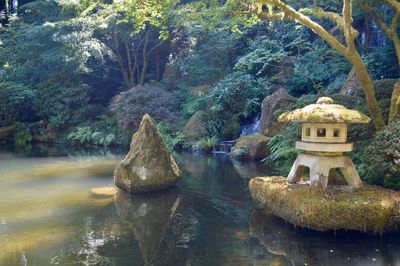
(149, 164)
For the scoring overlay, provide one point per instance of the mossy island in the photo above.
(367, 209)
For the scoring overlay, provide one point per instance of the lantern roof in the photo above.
(325, 111)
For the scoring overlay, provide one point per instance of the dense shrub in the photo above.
(130, 106)
(236, 96)
(15, 102)
(321, 68)
(207, 56)
(239, 94)
(381, 158)
(23, 136)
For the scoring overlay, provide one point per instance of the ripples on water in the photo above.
(61, 210)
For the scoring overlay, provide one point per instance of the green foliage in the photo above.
(262, 59)
(381, 158)
(15, 102)
(45, 66)
(39, 11)
(192, 105)
(207, 57)
(206, 144)
(321, 68)
(23, 136)
(173, 140)
(136, 14)
(130, 106)
(85, 136)
(231, 129)
(282, 148)
(238, 94)
(382, 62)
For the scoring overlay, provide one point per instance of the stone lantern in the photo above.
(324, 140)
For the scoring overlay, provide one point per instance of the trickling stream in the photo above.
(62, 210)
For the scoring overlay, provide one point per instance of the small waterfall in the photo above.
(224, 146)
(248, 130)
(253, 128)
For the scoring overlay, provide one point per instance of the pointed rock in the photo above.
(149, 164)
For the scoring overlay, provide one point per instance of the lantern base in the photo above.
(321, 167)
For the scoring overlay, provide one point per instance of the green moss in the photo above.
(370, 208)
(330, 113)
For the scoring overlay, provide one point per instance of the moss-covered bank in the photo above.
(368, 209)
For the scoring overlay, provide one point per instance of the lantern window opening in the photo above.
(336, 133)
(321, 132)
(307, 132)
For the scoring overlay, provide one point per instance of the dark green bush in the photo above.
(23, 136)
(130, 106)
(380, 162)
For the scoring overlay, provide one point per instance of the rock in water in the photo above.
(250, 148)
(149, 164)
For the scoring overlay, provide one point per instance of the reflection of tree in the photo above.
(149, 216)
(305, 247)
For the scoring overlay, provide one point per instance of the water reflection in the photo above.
(249, 169)
(73, 215)
(148, 216)
(305, 247)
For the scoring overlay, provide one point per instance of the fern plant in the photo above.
(87, 136)
(173, 140)
(282, 148)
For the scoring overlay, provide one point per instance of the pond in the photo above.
(58, 208)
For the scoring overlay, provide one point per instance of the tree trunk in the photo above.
(396, 42)
(145, 60)
(120, 62)
(130, 68)
(368, 87)
(351, 84)
(395, 103)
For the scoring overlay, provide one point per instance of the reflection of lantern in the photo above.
(323, 138)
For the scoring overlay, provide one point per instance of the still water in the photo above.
(58, 208)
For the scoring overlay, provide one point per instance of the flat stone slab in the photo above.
(367, 209)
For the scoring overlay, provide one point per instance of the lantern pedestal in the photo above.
(321, 167)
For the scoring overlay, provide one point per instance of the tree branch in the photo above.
(395, 4)
(155, 46)
(347, 19)
(334, 17)
(309, 23)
